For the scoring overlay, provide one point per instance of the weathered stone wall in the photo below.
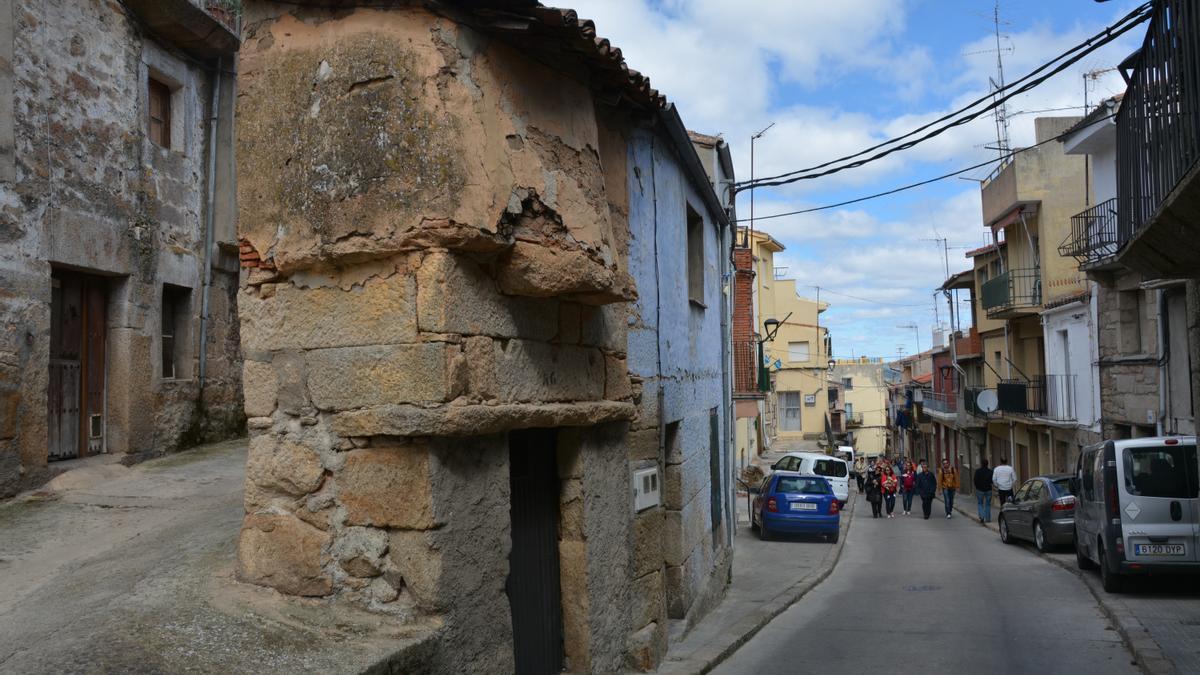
(435, 239)
(1129, 383)
(88, 191)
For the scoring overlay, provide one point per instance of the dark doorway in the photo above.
(533, 577)
(75, 396)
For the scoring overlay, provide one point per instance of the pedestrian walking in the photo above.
(890, 485)
(874, 490)
(926, 486)
(1003, 478)
(908, 487)
(983, 491)
(860, 470)
(947, 482)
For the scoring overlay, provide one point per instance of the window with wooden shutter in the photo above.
(159, 112)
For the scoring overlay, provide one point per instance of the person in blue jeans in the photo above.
(908, 486)
(948, 482)
(983, 491)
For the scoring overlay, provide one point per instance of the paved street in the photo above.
(911, 595)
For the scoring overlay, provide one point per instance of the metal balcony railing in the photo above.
(941, 401)
(970, 401)
(1093, 234)
(854, 420)
(1049, 397)
(1158, 126)
(1015, 289)
(747, 367)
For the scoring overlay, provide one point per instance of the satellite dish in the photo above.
(986, 401)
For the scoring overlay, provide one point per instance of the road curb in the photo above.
(745, 629)
(1147, 655)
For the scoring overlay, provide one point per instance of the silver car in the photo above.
(1042, 510)
(1139, 508)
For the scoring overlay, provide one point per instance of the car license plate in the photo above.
(803, 506)
(1158, 549)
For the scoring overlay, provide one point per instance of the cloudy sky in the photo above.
(837, 77)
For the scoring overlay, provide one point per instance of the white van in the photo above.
(1138, 508)
(833, 469)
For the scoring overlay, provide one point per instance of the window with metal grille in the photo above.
(158, 110)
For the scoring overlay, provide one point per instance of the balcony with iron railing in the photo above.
(1013, 293)
(945, 402)
(1048, 397)
(1094, 239)
(749, 375)
(1158, 146)
(854, 419)
(204, 29)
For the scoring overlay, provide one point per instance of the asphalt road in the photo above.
(915, 595)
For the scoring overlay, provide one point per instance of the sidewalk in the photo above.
(1158, 619)
(111, 568)
(768, 577)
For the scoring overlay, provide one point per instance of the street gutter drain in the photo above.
(922, 589)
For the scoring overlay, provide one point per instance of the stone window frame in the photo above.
(158, 64)
(179, 300)
(696, 261)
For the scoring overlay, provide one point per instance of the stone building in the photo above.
(118, 266)
(484, 331)
(1142, 343)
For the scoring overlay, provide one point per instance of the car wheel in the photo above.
(763, 533)
(1004, 535)
(833, 538)
(1081, 559)
(1039, 537)
(1110, 580)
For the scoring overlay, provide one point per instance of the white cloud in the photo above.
(729, 68)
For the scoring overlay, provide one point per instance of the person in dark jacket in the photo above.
(874, 490)
(926, 486)
(983, 491)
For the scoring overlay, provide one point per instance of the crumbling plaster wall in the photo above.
(432, 260)
(675, 346)
(88, 191)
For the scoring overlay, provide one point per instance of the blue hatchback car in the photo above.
(792, 503)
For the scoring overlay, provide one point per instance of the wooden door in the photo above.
(533, 580)
(75, 396)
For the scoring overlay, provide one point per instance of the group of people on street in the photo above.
(1001, 478)
(882, 480)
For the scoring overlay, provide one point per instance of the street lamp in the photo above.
(831, 365)
(772, 328)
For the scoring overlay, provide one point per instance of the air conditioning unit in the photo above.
(645, 489)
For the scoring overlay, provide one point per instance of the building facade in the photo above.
(485, 331)
(798, 360)
(863, 393)
(119, 263)
(753, 304)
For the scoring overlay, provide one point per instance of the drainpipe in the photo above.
(1164, 358)
(209, 222)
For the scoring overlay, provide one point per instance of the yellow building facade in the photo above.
(798, 359)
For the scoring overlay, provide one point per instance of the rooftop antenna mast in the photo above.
(1000, 113)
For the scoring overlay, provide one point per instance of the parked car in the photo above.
(793, 503)
(816, 464)
(1138, 509)
(1042, 510)
(846, 453)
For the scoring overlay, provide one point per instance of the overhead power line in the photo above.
(1020, 86)
(911, 186)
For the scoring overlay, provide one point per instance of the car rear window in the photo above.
(829, 467)
(1063, 485)
(1167, 471)
(800, 485)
